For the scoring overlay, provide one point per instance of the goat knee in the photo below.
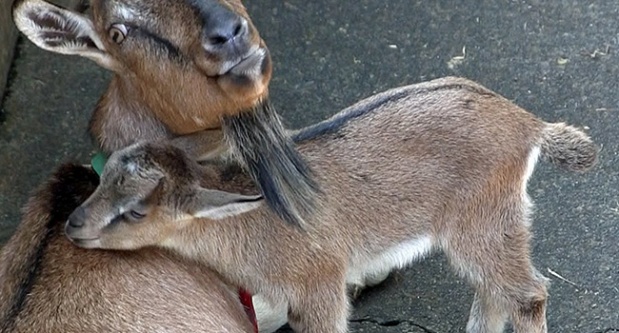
(530, 316)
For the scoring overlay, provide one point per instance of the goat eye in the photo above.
(137, 215)
(117, 33)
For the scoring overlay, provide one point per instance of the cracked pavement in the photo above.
(369, 325)
(558, 59)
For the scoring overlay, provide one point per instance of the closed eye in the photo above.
(136, 215)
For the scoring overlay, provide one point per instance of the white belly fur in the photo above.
(375, 270)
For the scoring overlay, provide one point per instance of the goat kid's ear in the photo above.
(154, 198)
(217, 205)
(59, 30)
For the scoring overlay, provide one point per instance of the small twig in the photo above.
(555, 274)
(457, 60)
(597, 53)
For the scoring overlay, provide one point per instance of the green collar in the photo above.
(98, 162)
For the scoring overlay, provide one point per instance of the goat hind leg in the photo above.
(529, 312)
(487, 316)
(497, 263)
(521, 298)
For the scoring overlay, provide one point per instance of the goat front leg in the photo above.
(322, 308)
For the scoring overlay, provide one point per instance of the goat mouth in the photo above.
(249, 62)
(87, 243)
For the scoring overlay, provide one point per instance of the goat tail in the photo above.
(568, 147)
(260, 142)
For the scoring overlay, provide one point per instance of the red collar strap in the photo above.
(245, 298)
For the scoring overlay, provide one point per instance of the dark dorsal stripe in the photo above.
(335, 124)
(68, 188)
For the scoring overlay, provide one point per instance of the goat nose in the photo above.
(76, 219)
(226, 32)
(222, 26)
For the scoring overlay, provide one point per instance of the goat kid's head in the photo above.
(166, 46)
(149, 191)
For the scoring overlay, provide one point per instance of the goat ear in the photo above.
(59, 30)
(154, 198)
(217, 205)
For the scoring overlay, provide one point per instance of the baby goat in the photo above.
(438, 165)
(49, 285)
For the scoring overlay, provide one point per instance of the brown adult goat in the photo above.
(49, 285)
(183, 69)
(437, 165)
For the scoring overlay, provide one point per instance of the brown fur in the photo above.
(437, 165)
(169, 83)
(49, 285)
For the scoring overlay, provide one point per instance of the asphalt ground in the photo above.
(558, 59)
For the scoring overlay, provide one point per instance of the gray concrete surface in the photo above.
(558, 59)
(8, 36)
